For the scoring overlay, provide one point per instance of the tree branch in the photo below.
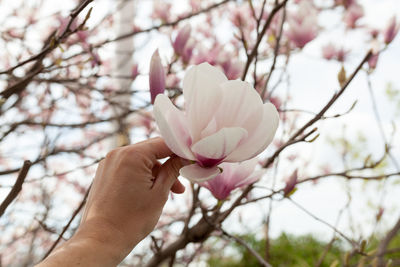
(16, 188)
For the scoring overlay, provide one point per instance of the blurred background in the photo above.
(74, 84)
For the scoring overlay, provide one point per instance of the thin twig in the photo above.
(250, 249)
(66, 227)
(16, 188)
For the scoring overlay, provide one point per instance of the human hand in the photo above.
(126, 199)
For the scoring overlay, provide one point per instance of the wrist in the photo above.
(105, 237)
(88, 248)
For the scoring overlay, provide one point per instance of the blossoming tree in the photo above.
(214, 79)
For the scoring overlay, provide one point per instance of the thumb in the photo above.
(167, 174)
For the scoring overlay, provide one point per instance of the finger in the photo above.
(167, 174)
(155, 147)
(178, 187)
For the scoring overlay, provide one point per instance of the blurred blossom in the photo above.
(188, 51)
(374, 33)
(195, 4)
(172, 81)
(275, 101)
(352, 15)
(345, 3)
(331, 52)
(234, 175)
(233, 68)
(156, 76)
(161, 10)
(303, 25)
(225, 121)
(372, 62)
(216, 56)
(134, 71)
(181, 40)
(290, 184)
(142, 119)
(391, 30)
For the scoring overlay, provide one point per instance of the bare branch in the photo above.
(16, 188)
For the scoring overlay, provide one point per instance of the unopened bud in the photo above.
(156, 76)
(342, 76)
(290, 184)
(391, 30)
(181, 40)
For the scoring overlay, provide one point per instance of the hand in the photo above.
(125, 202)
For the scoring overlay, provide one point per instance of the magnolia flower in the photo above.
(391, 30)
(156, 76)
(225, 121)
(353, 14)
(303, 25)
(235, 175)
(330, 51)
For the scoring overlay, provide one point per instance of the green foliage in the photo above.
(286, 250)
(393, 95)
(298, 251)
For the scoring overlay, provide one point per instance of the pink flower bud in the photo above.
(181, 40)
(391, 30)
(290, 184)
(156, 76)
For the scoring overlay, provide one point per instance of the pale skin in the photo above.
(125, 203)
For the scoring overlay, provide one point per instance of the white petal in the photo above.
(239, 100)
(195, 173)
(173, 128)
(220, 144)
(202, 96)
(260, 138)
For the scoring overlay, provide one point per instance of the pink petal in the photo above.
(219, 187)
(254, 177)
(195, 173)
(173, 128)
(202, 96)
(220, 144)
(260, 138)
(243, 169)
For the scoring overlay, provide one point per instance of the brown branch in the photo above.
(382, 249)
(261, 36)
(250, 249)
(276, 54)
(333, 99)
(166, 24)
(353, 243)
(52, 43)
(66, 227)
(16, 188)
(293, 139)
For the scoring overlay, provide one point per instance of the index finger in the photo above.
(155, 147)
